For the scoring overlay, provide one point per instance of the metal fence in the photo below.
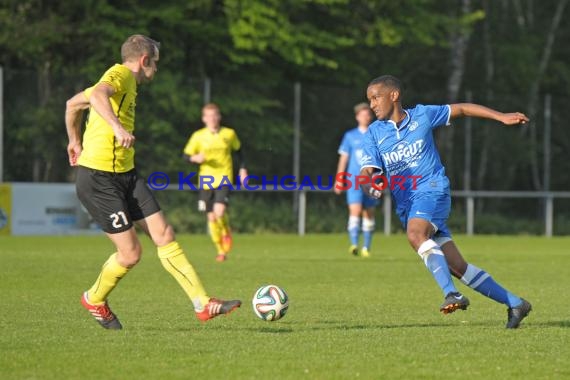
(300, 205)
(547, 197)
(296, 129)
(469, 197)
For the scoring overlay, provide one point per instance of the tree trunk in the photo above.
(534, 92)
(459, 43)
(36, 169)
(530, 13)
(519, 14)
(40, 172)
(489, 97)
(532, 105)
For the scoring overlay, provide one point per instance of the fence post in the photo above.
(296, 140)
(548, 205)
(470, 215)
(546, 142)
(467, 170)
(302, 214)
(548, 215)
(387, 203)
(207, 90)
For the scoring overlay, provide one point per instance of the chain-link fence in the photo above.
(263, 114)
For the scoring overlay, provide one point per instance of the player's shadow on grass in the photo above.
(332, 325)
(271, 330)
(324, 259)
(379, 326)
(329, 325)
(564, 324)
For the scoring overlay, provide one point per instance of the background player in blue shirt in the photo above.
(350, 153)
(401, 144)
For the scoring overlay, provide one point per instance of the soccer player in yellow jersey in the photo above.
(211, 147)
(115, 195)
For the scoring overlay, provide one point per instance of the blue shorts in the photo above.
(357, 196)
(433, 207)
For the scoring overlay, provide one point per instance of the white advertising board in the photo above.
(47, 209)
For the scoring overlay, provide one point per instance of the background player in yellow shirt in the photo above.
(211, 147)
(110, 188)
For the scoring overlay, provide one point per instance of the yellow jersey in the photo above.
(100, 148)
(217, 149)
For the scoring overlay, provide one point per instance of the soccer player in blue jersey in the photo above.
(359, 204)
(401, 144)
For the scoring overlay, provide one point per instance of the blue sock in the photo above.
(437, 265)
(367, 230)
(482, 282)
(367, 239)
(353, 229)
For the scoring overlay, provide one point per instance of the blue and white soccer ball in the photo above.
(270, 302)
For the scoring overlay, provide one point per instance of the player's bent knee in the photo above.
(165, 236)
(416, 237)
(129, 257)
(169, 235)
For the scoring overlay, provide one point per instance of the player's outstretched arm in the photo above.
(74, 109)
(100, 102)
(476, 110)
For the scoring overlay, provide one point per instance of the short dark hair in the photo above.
(388, 81)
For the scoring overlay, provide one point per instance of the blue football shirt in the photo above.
(352, 145)
(408, 150)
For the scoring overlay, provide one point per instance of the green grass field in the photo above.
(349, 317)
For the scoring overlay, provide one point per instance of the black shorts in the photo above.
(115, 200)
(207, 198)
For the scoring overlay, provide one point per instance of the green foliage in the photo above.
(262, 44)
(257, 27)
(254, 51)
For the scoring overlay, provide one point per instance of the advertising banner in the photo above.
(47, 209)
(5, 208)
